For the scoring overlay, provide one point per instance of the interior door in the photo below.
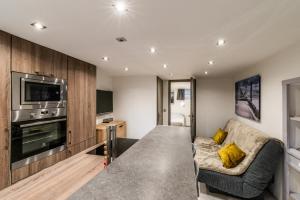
(193, 109)
(159, 101)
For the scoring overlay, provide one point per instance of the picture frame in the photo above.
(248, 98)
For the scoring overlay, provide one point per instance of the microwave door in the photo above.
(38, 92)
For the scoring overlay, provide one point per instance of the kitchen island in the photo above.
(158, 167)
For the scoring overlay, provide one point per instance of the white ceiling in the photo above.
(184, 32)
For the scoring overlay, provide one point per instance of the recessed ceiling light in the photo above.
(38, 26)
(211, 62)
(152, 50)
(206, 72)
(165, 66)
(221, 42)
(126, 69)
(120, 6)
(105, 58)
(121, 39)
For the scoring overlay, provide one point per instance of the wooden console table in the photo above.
(120, 128)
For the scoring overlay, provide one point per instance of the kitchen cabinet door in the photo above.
(23, 56)
(43, 60)
(5, 49)
(60, 65)
(28, 57)
(81, 101)
(91, 100)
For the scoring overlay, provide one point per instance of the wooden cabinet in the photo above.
(33, 168)
(121, 130)
(5, 49)
(20, 55)
(28, 57)
(75, 149)
(81, 103)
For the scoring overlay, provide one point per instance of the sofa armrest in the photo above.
(262, 169)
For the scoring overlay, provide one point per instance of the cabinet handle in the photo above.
(70, 134)
(121, 126)
(6, 147)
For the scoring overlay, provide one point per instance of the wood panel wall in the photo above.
(5, 49)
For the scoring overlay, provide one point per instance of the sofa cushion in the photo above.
(220, 136)
(250, 140)
(231, 155)
(246, 137)
(199, 141)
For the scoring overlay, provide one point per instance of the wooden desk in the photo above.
(120, 128)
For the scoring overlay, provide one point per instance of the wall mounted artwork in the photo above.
(247, 98)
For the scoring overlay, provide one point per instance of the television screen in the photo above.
(104, 101)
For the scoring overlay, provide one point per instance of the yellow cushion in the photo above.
(220, 136)
(231, 155)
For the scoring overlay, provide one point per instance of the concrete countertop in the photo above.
(158, 167)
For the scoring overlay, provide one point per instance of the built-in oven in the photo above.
(36, 96)
(33, 140)
(38, 116)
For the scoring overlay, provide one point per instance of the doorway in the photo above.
(180, 103)
(160, 97)
(176, 103)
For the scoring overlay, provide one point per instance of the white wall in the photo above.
(135, 102)
(215, 105)
(103, 81)
(284, 65)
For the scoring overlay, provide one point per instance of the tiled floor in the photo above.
(205, 195)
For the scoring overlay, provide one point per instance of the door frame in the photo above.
(159, 80)
(169, 95)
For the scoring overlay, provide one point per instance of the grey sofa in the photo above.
(252, 183)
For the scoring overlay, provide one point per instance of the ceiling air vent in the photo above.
(121, 39)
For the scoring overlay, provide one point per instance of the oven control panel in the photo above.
(26, 115)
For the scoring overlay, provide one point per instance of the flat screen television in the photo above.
(104, 102)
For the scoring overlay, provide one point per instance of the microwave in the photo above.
(36, 97)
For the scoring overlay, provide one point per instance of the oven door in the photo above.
(32, 141)
(38, 92)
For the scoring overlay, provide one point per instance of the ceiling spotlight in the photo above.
(221, 42)
(105, 58)
(165, 66)
(38, 26)
(120, 6)
(211, 62)
(121, 39)
(206, 72)
(152, 50)
(126, 69)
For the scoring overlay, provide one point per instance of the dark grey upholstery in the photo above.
(254, 181)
